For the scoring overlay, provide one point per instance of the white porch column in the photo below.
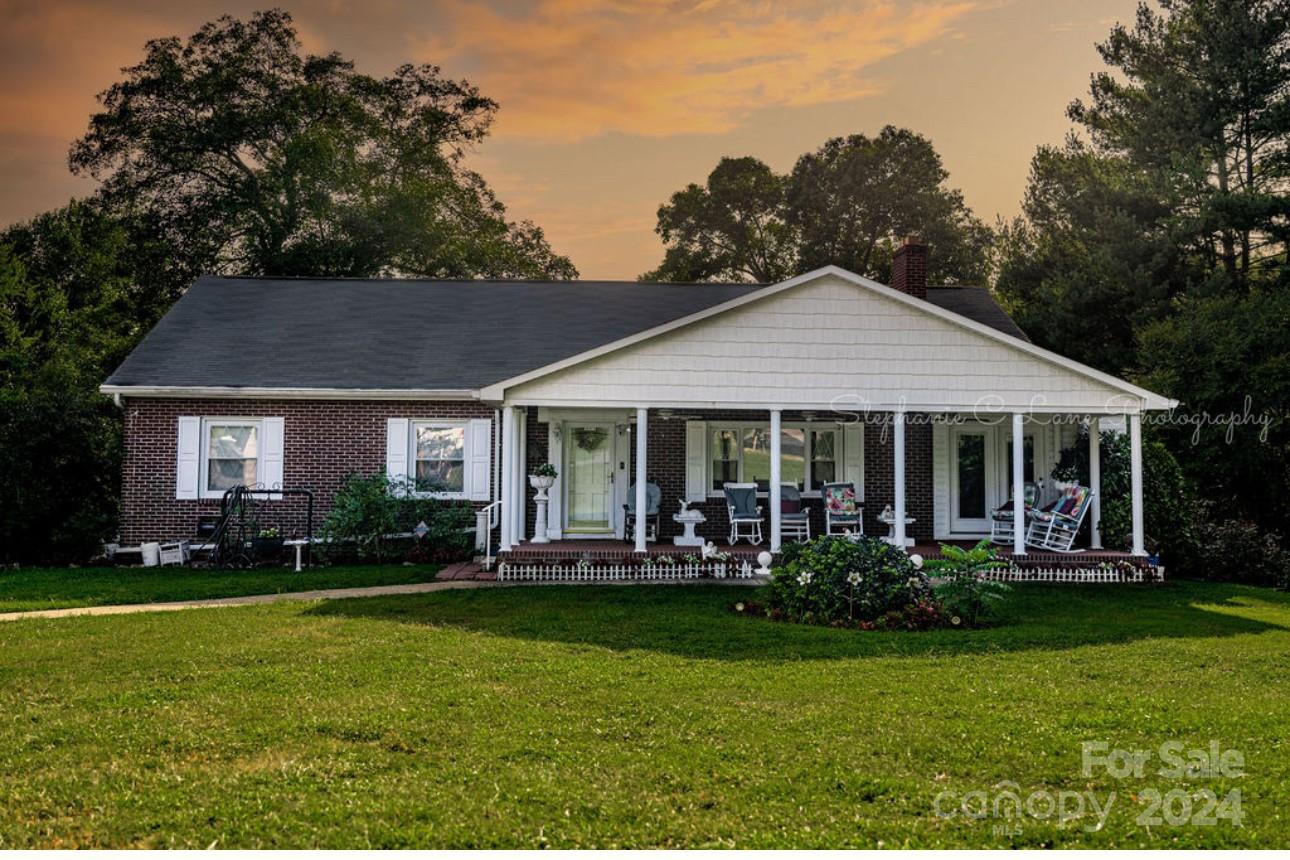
(775, 489)
(1135, 473)
(507, 493)
(1095, 480)
(1018, 484)
(642, 433)
(899, 478)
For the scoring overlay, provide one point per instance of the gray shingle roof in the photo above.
(428, 335)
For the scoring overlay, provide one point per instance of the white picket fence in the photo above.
(1094, 574)
(616, 571)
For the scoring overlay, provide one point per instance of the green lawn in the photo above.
(29, 588)
(629, 716)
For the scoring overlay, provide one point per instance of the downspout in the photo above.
(497, 454)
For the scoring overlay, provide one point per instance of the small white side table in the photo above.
(889, 520)
(689, 519)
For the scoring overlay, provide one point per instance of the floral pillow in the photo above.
(840, 500)
(1072, 501)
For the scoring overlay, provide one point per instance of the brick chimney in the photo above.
(909, 268)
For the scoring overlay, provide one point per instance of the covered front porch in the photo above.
(920, 479)
(933, 419)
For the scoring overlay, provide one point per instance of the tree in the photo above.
(69, 312)
(848, 204)
(1200, 92)
(856, 197)
(1089, 261)
(1156, 245)
(731, 229)
(252, 158)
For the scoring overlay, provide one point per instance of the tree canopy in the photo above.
(254, 158)
(849, 204)
(1154, 243)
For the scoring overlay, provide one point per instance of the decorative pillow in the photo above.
(840, 500)
(1072, 499)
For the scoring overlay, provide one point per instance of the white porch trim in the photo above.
(642, 446)
(1135, 475)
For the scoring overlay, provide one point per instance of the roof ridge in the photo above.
(352, 279)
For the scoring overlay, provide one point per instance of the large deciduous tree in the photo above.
(847, 204)
(257, 159)
(856, 197)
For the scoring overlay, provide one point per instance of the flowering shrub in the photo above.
(839, 581)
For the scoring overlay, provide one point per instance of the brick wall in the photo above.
(325, 440)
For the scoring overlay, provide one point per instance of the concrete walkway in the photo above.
(248, 600)
(440, 584)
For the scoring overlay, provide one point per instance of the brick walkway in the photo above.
(464, 571)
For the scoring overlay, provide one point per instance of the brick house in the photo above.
(912, 394)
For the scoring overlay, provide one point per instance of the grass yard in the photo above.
(631, 716)
(25, 589)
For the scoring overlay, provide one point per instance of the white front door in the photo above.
(972, 471)
(589, 478)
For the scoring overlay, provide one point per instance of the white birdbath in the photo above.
(541, 483)
(689, 518)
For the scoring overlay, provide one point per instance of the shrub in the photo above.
(369, 509)
(1167, 500)
(834, 580)
(1237, 550)
(961, 585)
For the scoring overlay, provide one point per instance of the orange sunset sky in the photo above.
(608, 106)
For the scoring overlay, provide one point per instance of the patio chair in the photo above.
(745, 513)
(1001, 517)
(841, 513)
(794, 520)
(1055, 527)
(653, 503)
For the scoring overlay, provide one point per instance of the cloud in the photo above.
(570, 69)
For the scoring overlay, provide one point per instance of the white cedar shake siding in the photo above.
(821, 342)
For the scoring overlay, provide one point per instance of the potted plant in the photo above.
(267, 544)
(541, 480)
(543, 477)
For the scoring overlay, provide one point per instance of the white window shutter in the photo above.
(271, 451)
(479, 447)
(396, 450)
(189, 457)
(696, 461)
(853, 456)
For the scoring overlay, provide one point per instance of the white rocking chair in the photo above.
(1056, 528)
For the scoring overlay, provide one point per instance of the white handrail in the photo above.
(487, 519)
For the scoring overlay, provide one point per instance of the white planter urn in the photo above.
(541, 483)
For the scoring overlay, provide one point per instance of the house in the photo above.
(916, 395)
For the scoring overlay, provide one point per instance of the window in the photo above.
(439, 451)
(725, 458)
(741, 454)
(824, 457)
(1027, 461)
(231, 455)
